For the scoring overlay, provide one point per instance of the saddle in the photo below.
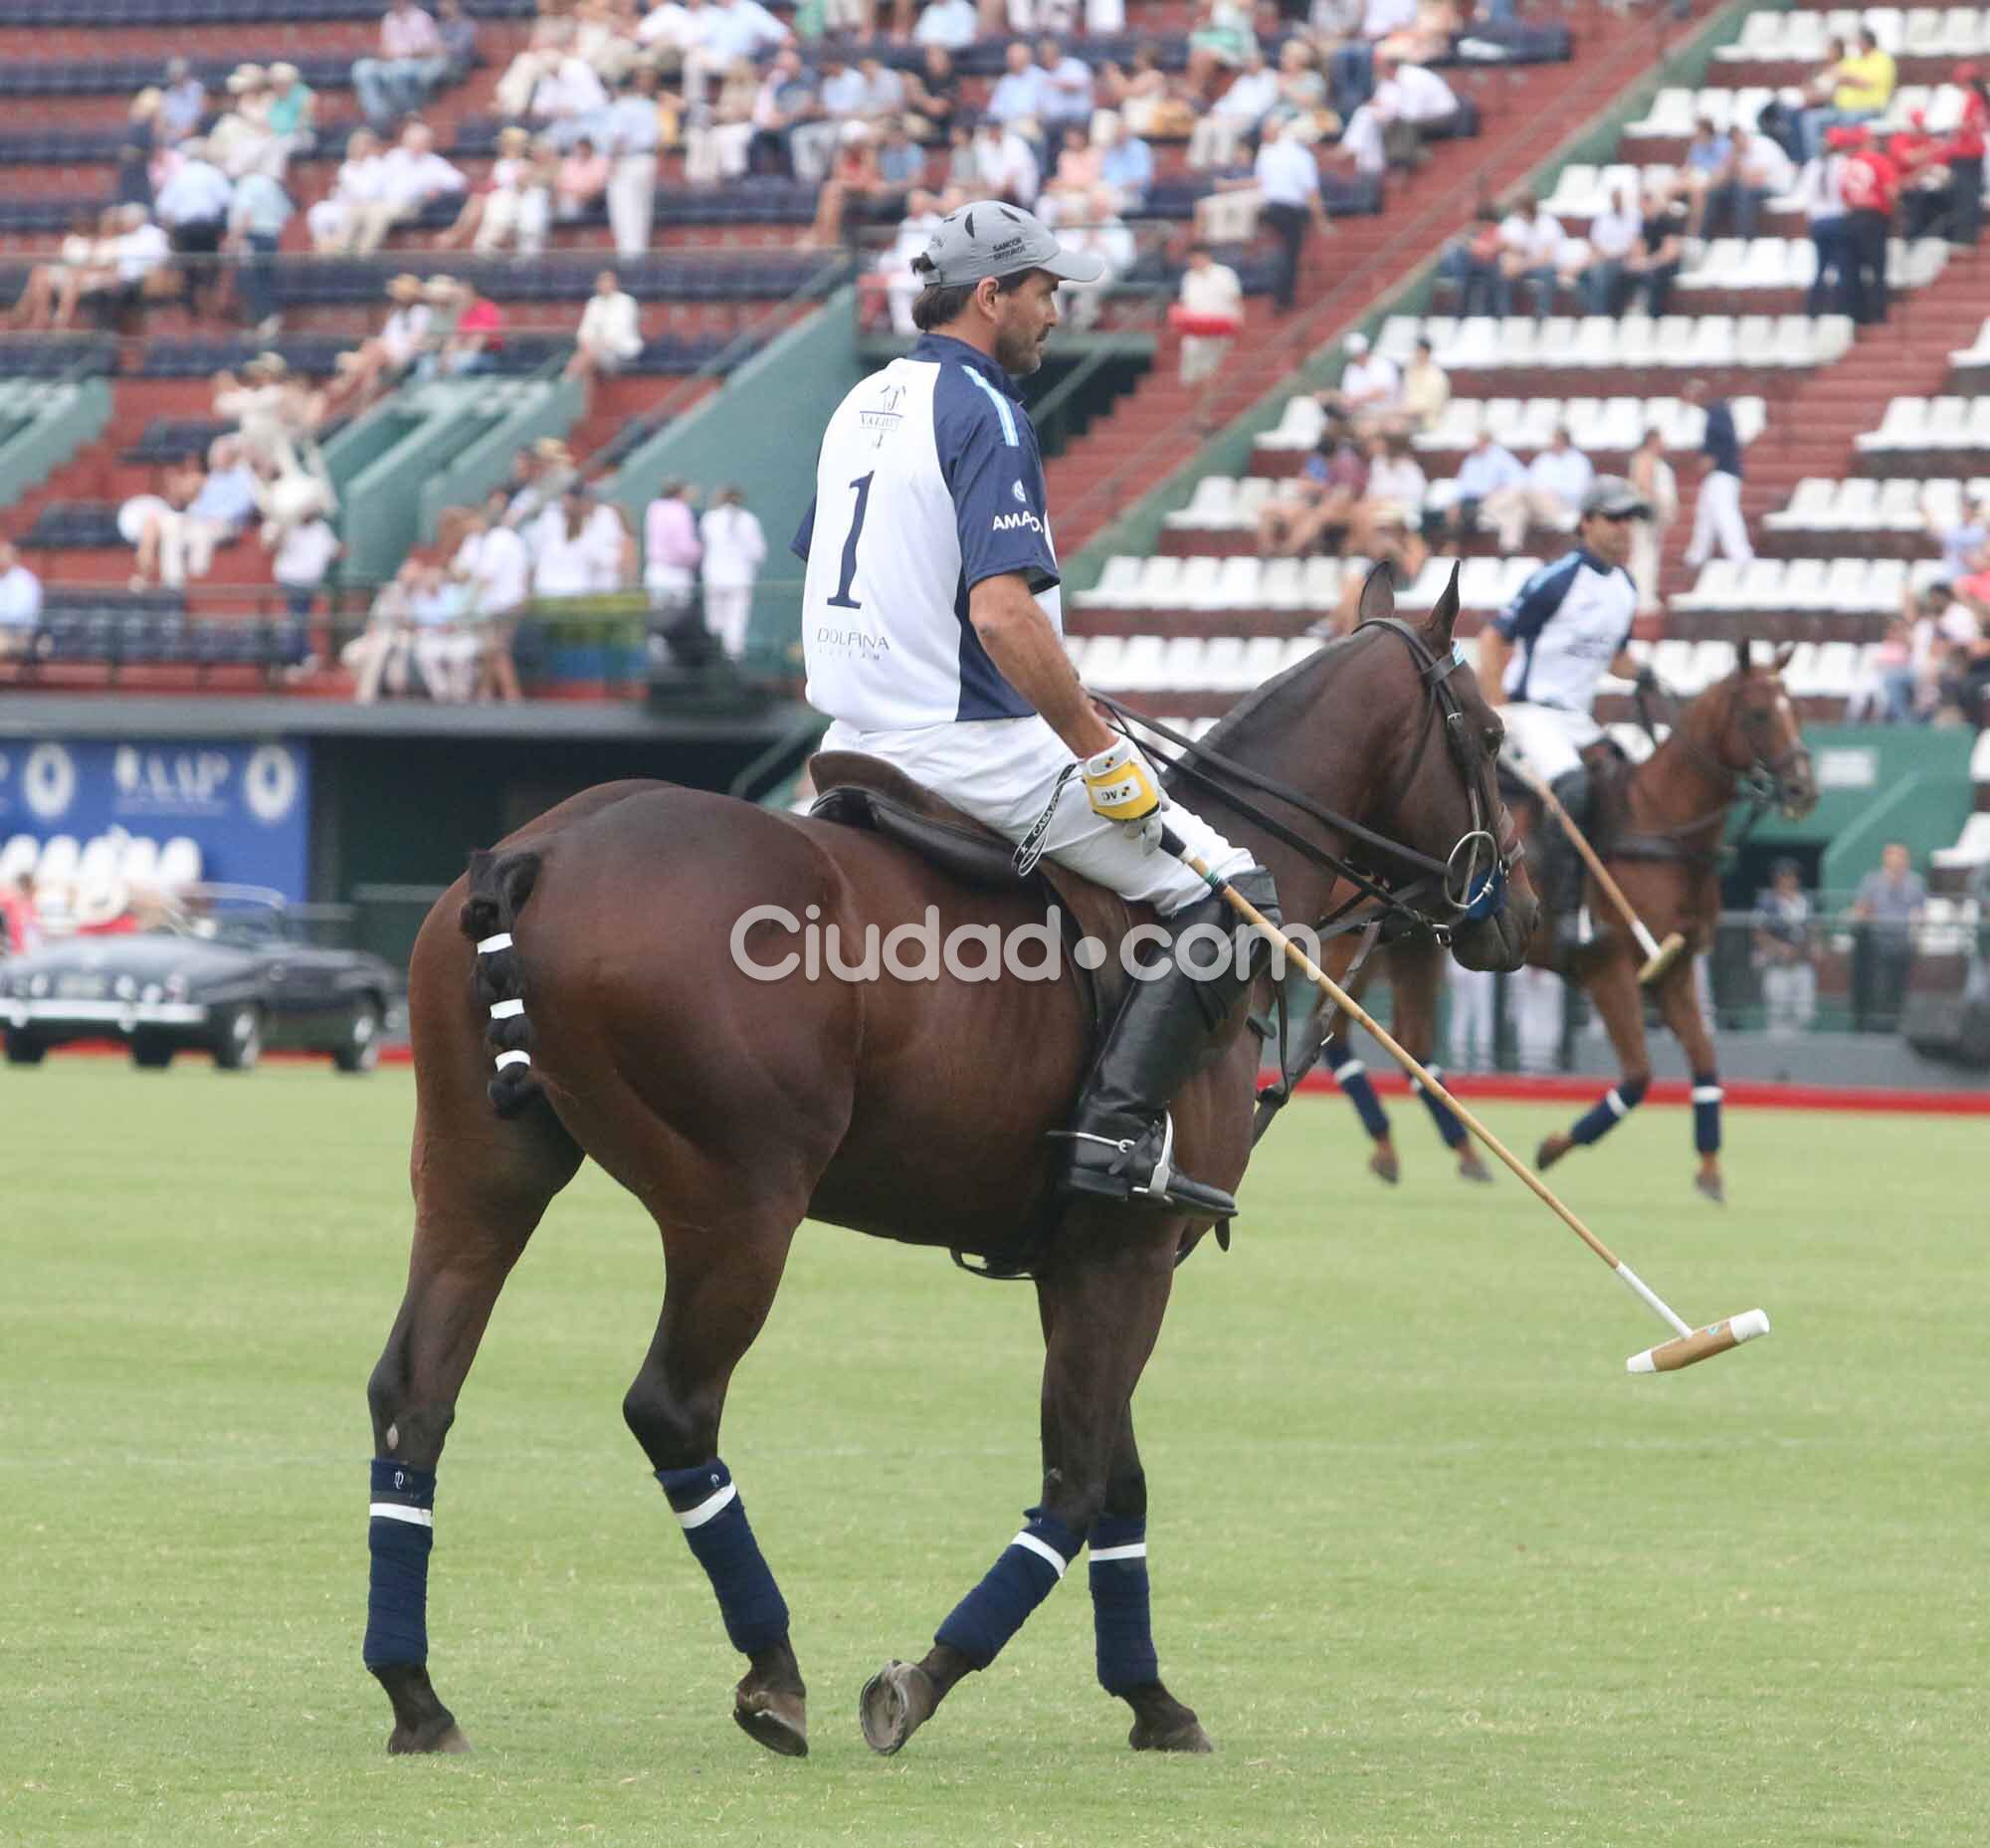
(878, 797)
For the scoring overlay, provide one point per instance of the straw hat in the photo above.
(285, 74)
(246, 76)
(406, 286)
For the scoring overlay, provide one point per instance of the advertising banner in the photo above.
(246, 806)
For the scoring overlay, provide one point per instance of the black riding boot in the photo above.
(1122, 1137)
(1564, 873)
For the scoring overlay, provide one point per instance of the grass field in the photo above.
(1430, 1565)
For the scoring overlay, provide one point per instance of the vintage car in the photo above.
(226, 972)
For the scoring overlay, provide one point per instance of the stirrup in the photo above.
(1164, 1185)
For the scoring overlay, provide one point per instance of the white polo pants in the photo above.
(1546, 742)
(1004, 772)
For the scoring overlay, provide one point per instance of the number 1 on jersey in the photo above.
(843, 600)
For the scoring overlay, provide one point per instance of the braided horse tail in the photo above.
(500, 885)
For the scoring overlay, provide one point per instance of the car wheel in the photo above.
(238, 1044)
(151, 1054)
(360, 1050)
(21, 1050)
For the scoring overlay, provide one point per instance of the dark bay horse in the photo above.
(1660, 844)
(605, 975)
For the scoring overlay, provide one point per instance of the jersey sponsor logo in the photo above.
(861, 643)
(1016, 522)
(1016, 489)
(883, 418)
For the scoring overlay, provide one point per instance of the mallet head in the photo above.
(1701, 1345)
(1661, 959)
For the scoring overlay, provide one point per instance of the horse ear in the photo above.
(1378, 594)
(1782, 657)
(1443, 614)
(1744, 656)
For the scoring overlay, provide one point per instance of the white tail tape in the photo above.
(503, 940)
(508, 1010)
(514, 1058)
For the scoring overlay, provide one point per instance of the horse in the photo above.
(597, 952)
(1663, 826)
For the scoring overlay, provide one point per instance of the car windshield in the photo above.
(246, 921)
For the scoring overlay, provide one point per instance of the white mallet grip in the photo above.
(1701, 1345)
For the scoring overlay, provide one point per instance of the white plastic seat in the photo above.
(1806, 584)
(1223, 665)
(1252, 493)
(1199, 585)
(1322, 584)
(1397, 341)
(1947, 422)
(1844, 585)
(1752, 418)
(1669, 117)
(1902, 426)
(1595, 342)
(1281, 585)
(1979, 423)
(1512, 574)
(1898, 508)
(1428, 585)
(1830, 338)
(1714, 590)
(1139, 668)
(1298, 426)
(1118, 584)
(1885, 580)
(1480, 583)
(1209, 505)
(1264, 655)
(1939, 503)
(1761, 585)
(1755, 341)
(1161, 585)
(1456, 427)
(1099, 664)
(1503, 420)
(1858, 508)
(1677, 664)
(1236, 585)
(1810, 507)
(1637, 342)
(1181, 669)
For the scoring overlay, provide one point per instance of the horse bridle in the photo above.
(1764, 783)
(1466, 895)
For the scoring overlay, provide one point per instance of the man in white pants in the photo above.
(735, 549)
(1717, 514)
(630, 133)
(1543, 656)
(932, 631)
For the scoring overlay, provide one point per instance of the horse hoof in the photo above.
(1183, 1735)
(404, 1742)
(894, 1703)
(1470, 1167)
(1385, 1167)
(1551, 1151)
(774, 1720)
(1712, 1186)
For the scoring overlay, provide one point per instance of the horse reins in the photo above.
(1222, 776)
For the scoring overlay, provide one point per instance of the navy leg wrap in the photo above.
(1353, 1076)
(399, 1537)
(1121, 1622)
(714, 1517)
(1618, 1103)
(1707, 1096)
(1442, 1113)
(1026, 1574)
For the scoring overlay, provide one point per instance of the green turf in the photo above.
(1431, 1566)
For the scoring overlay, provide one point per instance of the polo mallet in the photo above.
(1659, 957)
(1690, 1345)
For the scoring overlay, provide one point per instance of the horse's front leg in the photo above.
(1102, 1301)
(1680, 1008)
(1121, 1615)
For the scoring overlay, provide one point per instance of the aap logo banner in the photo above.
(248, 806)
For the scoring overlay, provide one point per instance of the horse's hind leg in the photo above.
(723, 1268)
(1121, 1615)
(479, 1193)
(1680, 1008)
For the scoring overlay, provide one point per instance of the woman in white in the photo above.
(390, 353)
(333, 222)
(1651, 475)
(734, 548)
(490, 215)
(610, 335)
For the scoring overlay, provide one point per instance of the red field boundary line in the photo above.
(1743, 1093)
(1501, 1087)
